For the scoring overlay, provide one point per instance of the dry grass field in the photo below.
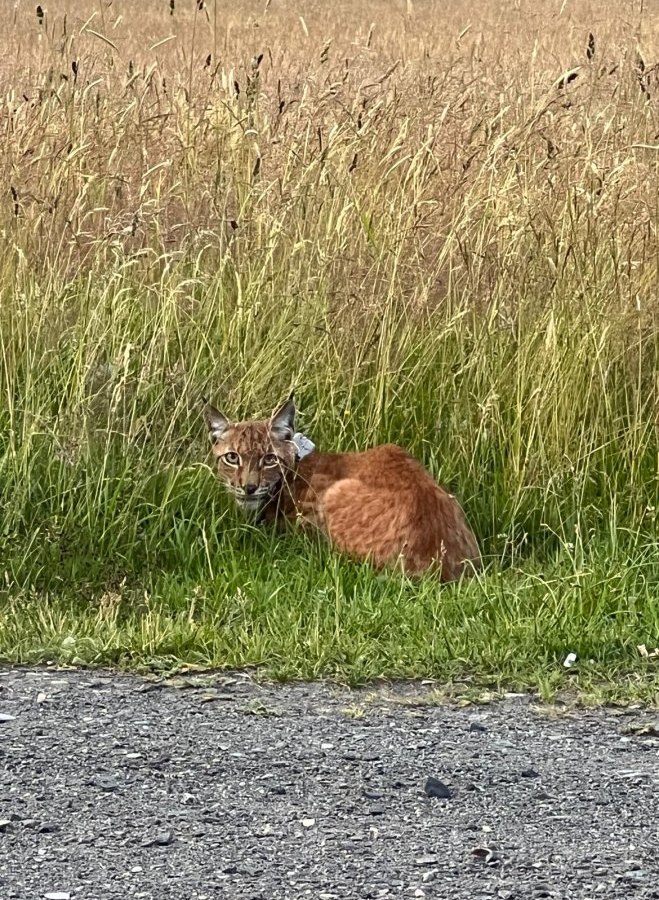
(437, 222)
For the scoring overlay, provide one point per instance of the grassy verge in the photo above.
(437, 234)
(297, 611)
(197, 587)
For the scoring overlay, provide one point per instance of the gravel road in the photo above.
(116, 787)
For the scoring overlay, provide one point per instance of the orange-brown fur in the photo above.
(380, 505)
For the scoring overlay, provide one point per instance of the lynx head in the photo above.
(253, 457)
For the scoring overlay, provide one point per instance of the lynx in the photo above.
(379, 505)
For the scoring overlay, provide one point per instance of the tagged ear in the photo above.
(217, 423)
(282, 424)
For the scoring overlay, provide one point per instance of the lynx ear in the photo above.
(282, 424)
(217, 423)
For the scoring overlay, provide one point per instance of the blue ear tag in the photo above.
(303, 445)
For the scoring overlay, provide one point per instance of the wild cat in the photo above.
(379, 505)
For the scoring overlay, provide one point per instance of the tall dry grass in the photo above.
(438, 224)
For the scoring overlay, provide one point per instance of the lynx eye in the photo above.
(270, 459)
(231, 458)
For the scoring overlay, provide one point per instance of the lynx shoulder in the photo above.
(380, 505)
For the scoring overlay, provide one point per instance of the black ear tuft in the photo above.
(217, 423)
(282, 423)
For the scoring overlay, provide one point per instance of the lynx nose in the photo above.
(250, 488)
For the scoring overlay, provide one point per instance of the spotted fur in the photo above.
(380, 505)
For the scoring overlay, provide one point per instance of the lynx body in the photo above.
(380, 505)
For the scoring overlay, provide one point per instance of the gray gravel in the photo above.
(113, 787)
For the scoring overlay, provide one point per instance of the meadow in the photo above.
(437, 223)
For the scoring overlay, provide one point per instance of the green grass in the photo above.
(466, 266)
(296, 610)
(161, 573)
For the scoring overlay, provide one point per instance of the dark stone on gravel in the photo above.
(48, 828)
(436, 788)
(530, 773)
(161, 839)
(376, 810)
(233, 791)
(477, 726)
(488, 854)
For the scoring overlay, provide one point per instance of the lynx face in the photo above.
(253, 457)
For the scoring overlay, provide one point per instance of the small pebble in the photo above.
(164, 838)
(436, 788)
(105, 782)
